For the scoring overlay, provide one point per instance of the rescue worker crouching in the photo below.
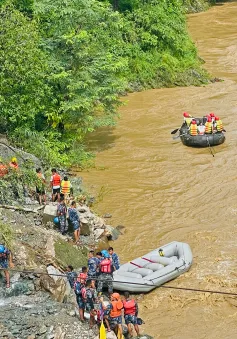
(209, 126)
(219, 125)
(115, 316)
(193, 129)
(105, 274)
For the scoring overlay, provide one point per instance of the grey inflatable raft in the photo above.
(153, 269)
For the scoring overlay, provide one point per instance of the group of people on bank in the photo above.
(88, 286)
(209, 124)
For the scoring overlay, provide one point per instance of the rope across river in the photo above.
(131, 283)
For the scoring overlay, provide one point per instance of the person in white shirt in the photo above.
(201, 129)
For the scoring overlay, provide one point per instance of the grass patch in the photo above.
(6, 235)
(70, 255)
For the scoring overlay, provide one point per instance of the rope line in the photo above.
(130, 283)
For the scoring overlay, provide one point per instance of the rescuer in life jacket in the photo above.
(130, 314)
(187, 118)
(115, 316)
(105, 274)
(55, 182)
(219, 125)
(13, 163)
(66, 188)
(209, 126)
(193, 129)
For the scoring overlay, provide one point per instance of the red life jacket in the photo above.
(56, 179)
(129, 307)
(106, 266)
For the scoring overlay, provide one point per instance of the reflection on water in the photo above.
(163, 191)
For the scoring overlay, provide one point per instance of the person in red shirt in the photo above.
(3, 168)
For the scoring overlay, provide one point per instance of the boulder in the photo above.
(111, 232)
(109, 335)
(98, 233)
(56, 284)
(59, 334)
(85, 227)
(50, 212)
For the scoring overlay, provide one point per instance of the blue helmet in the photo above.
(2, 249)
(105, 254)
(56, 220)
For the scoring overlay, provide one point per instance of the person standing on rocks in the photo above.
(80, 291)
(55, 182)
(5, 261)
(75, 220)
(40, 188)
(130, 313)
(105, 274)
(90, 299)
(71, 275)
(114, 257)
(92, 267)
(62, 213)
(66, 189)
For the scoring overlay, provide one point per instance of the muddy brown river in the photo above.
(161, 190)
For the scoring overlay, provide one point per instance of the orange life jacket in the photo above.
(65, 187)
(116, 310)
(129, 307)
(208, 127)
(219, 126)
(106, 266)
(193, 129)
(56, 179)
(13, 165)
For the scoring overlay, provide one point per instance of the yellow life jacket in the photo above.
(208, 127)
(188, 120)
(65, 187)
(193, 129)
(219, 126)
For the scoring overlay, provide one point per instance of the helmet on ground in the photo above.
(212, 114)
(2, 249)
(194, 122)
(116, 296)
(217, 118)
(14, 159)
(209, 119)
(56, 220)
(185, 114)
(105, 254)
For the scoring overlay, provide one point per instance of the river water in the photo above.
(161, 190)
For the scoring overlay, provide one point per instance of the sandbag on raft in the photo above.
(154, 268)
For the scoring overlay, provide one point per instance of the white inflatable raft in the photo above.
(153, 269)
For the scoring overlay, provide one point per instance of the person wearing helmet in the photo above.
(218, 125)
(130, 313)
(80, 292)
(209, 126)
(193, 130)
(5, 261)
(105, 273)
(3, 168)
(212, 115)
(115, 315)
(13, 163)
(187, 118)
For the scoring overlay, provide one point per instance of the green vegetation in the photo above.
(6, 235)
(69, 255)
(64, 65)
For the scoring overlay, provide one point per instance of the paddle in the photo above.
(102, 326)
(174, 131)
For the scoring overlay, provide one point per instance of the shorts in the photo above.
(56, 190)
(130, 319)
(4, 264)
(91, 276)
(89, 307)
(75, 225)
(40, 190)
(116, 320)
(80, 302)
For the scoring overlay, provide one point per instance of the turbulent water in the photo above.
(162, 190)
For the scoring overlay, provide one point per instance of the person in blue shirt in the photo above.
(92, 267)
(5, 261)
(114, 257)
(75, 220)
(71, 275)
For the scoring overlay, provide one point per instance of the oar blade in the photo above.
(174, 131)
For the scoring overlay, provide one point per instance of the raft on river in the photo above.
(204, 140)
(153, 269)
